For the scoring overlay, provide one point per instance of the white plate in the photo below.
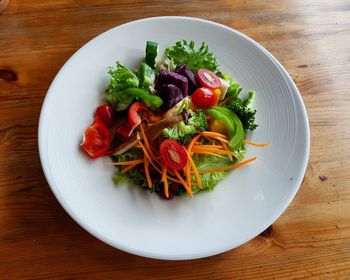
(243, 205)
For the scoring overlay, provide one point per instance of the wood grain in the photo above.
(38, 240)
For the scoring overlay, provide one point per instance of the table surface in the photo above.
(310, 240)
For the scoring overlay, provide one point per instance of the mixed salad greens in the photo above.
(175, 125)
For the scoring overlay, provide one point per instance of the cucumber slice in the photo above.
(146, 76)
(151, 53)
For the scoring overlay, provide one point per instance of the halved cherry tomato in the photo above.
(124, 130)
(173, 154)
(135, 111)
(208, 79)
(96, 139)
(106, 114)
(204, 98)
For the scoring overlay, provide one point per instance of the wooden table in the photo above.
(310, 240)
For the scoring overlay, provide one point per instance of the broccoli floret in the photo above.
(184, 130)
(198, 120)
(245, 114)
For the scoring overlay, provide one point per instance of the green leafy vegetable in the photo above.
(123, 89)
(210, 180)
(121, 78)
(234, 89)
(184, 130)
(186, 53)
(245, 113)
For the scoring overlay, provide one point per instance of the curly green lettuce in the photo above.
(184, 53)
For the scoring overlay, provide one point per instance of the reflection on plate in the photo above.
(243, 205)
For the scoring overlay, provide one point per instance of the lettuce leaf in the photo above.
(184, 53)
(210, 180)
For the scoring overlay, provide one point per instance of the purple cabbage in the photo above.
(191, 77)
(167, 77)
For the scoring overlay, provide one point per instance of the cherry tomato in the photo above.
(204, 98)
(96, 139)
(124, 130)
(135, 110)
(106, 114)
(208, 79)
(173, 154)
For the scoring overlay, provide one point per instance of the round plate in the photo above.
(243, 204)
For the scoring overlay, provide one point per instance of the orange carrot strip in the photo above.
(195, 149)
(147, 145)
(222, 168)
(192, 143)
(165, 181)
(209, 153)
(256, 144)
(209, 146)
(223, 140)
(126, 169)
(226, 148)
(188, 188)
(136, 161)
(213, 134)
(148, 177)
(198, 179)
(187, 170)
(166, 188)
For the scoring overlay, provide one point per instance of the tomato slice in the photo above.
(106, 114)
(173, 154)
(208, 79)
(204, 98)
(135, 111)
(96, 139)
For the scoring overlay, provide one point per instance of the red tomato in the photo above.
(134, 113)
(208, 79)
(106, 114)
(124, 130)
(96, 139)
(173, 154)
(204, 98)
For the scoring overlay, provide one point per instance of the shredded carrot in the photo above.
(198, 179)
(126, 169)
(147, 145)
(136, 161)
(150, 158)
(164, 180)
(210, 153)
(166, 187)
(222, 168)
(192, 143)
(164, 169)
(209, 146)
(256, 144)
(213, 134)
(223, 140)
(182, 181)
(226, 148)
(199, 149)
(187, 170)
(148, 177)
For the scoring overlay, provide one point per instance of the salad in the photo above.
(176, 125)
